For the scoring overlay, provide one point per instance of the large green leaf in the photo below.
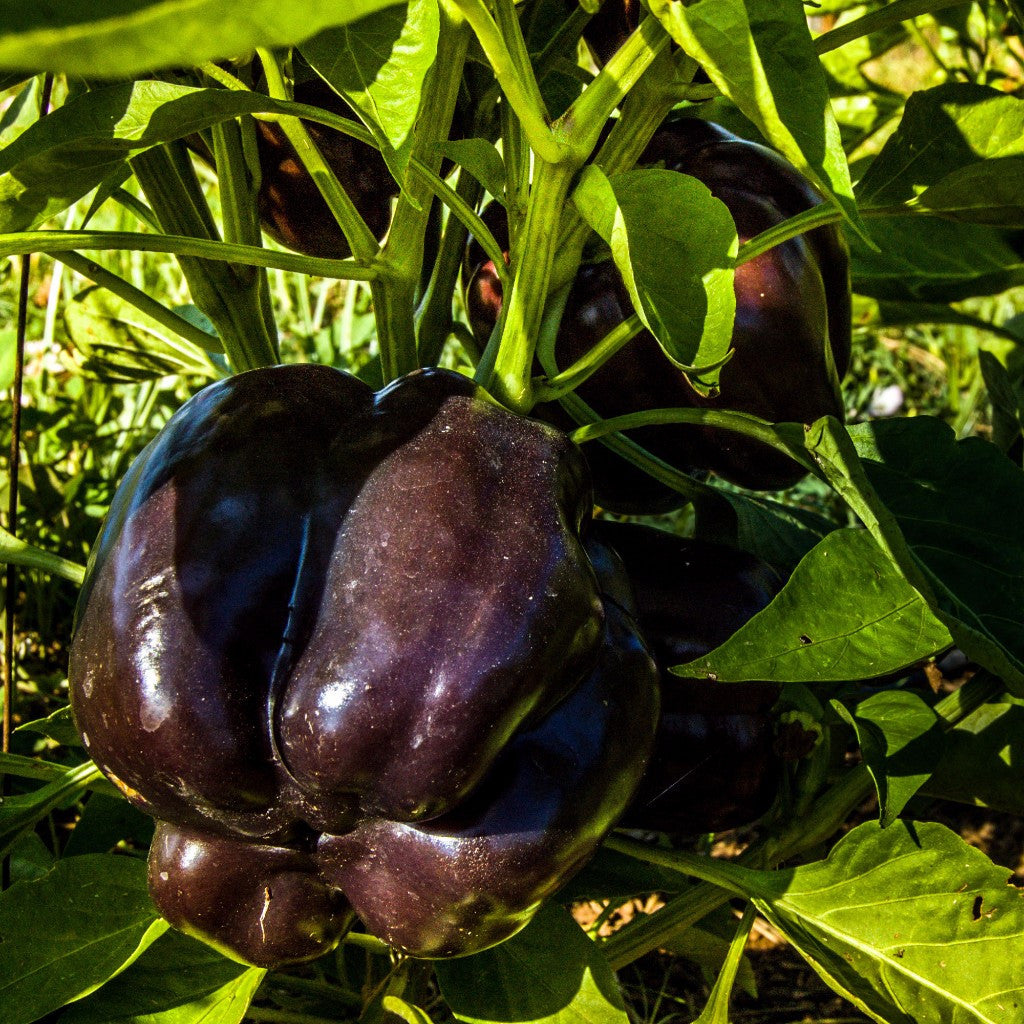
(72, 150)
(761, 55)
(987, 193)
(846, 613)
(901, 740)
(674, 245)
(932, 260)
(67, 933)
(909, 923)
(176, 981)
(983, 758)
(379, 64)
(958, 505)
(953, 140)
(549, 972)
(111, 38)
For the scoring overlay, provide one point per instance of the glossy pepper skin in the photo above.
(291, 208)
(320, 619)
(792, 320)
(714, 766)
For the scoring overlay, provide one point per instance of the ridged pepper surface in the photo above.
(349, 649)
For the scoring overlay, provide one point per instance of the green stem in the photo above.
(626, 448)
(368, 942)
(507, 20)
(138, 298)
(581, 125)
(316, 989)
(394, 294)
(235, 183)
(435, 316)
(26, 812)
(272, 1016)
(524, 308)
(741, 423)
(14, 551)
(233, 305)
(717, 1008)
(773, 236)
(893, 13)
(517, 160)
(52, 242)
(623, 446)
(360, 238)
(519, 85)
(644, 110)
(570, 379)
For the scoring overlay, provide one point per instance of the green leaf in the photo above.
(943, 132)
(717, 1009)
(846, 613)
(19, 552)
(761, 55)
(23, 110)
(957, 504)
(549, 972)
(674, 245)
(932, 260)
(58, 726)
(982, 759)
(482, 160)
(1006, 398)
(707, 943)
(379, 64)
(111, 38)
(20, 813)
(901, 740)
(70, 931)
(909, 923)
(176, 981)
(62, 157)
(106, 821)
(986, 193)
(29, 859)
(121, 344)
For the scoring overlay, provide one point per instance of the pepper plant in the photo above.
(151, 115)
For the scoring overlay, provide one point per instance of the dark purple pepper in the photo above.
(262, 904)
(316, 613)
(291, 208)
(714, 766)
